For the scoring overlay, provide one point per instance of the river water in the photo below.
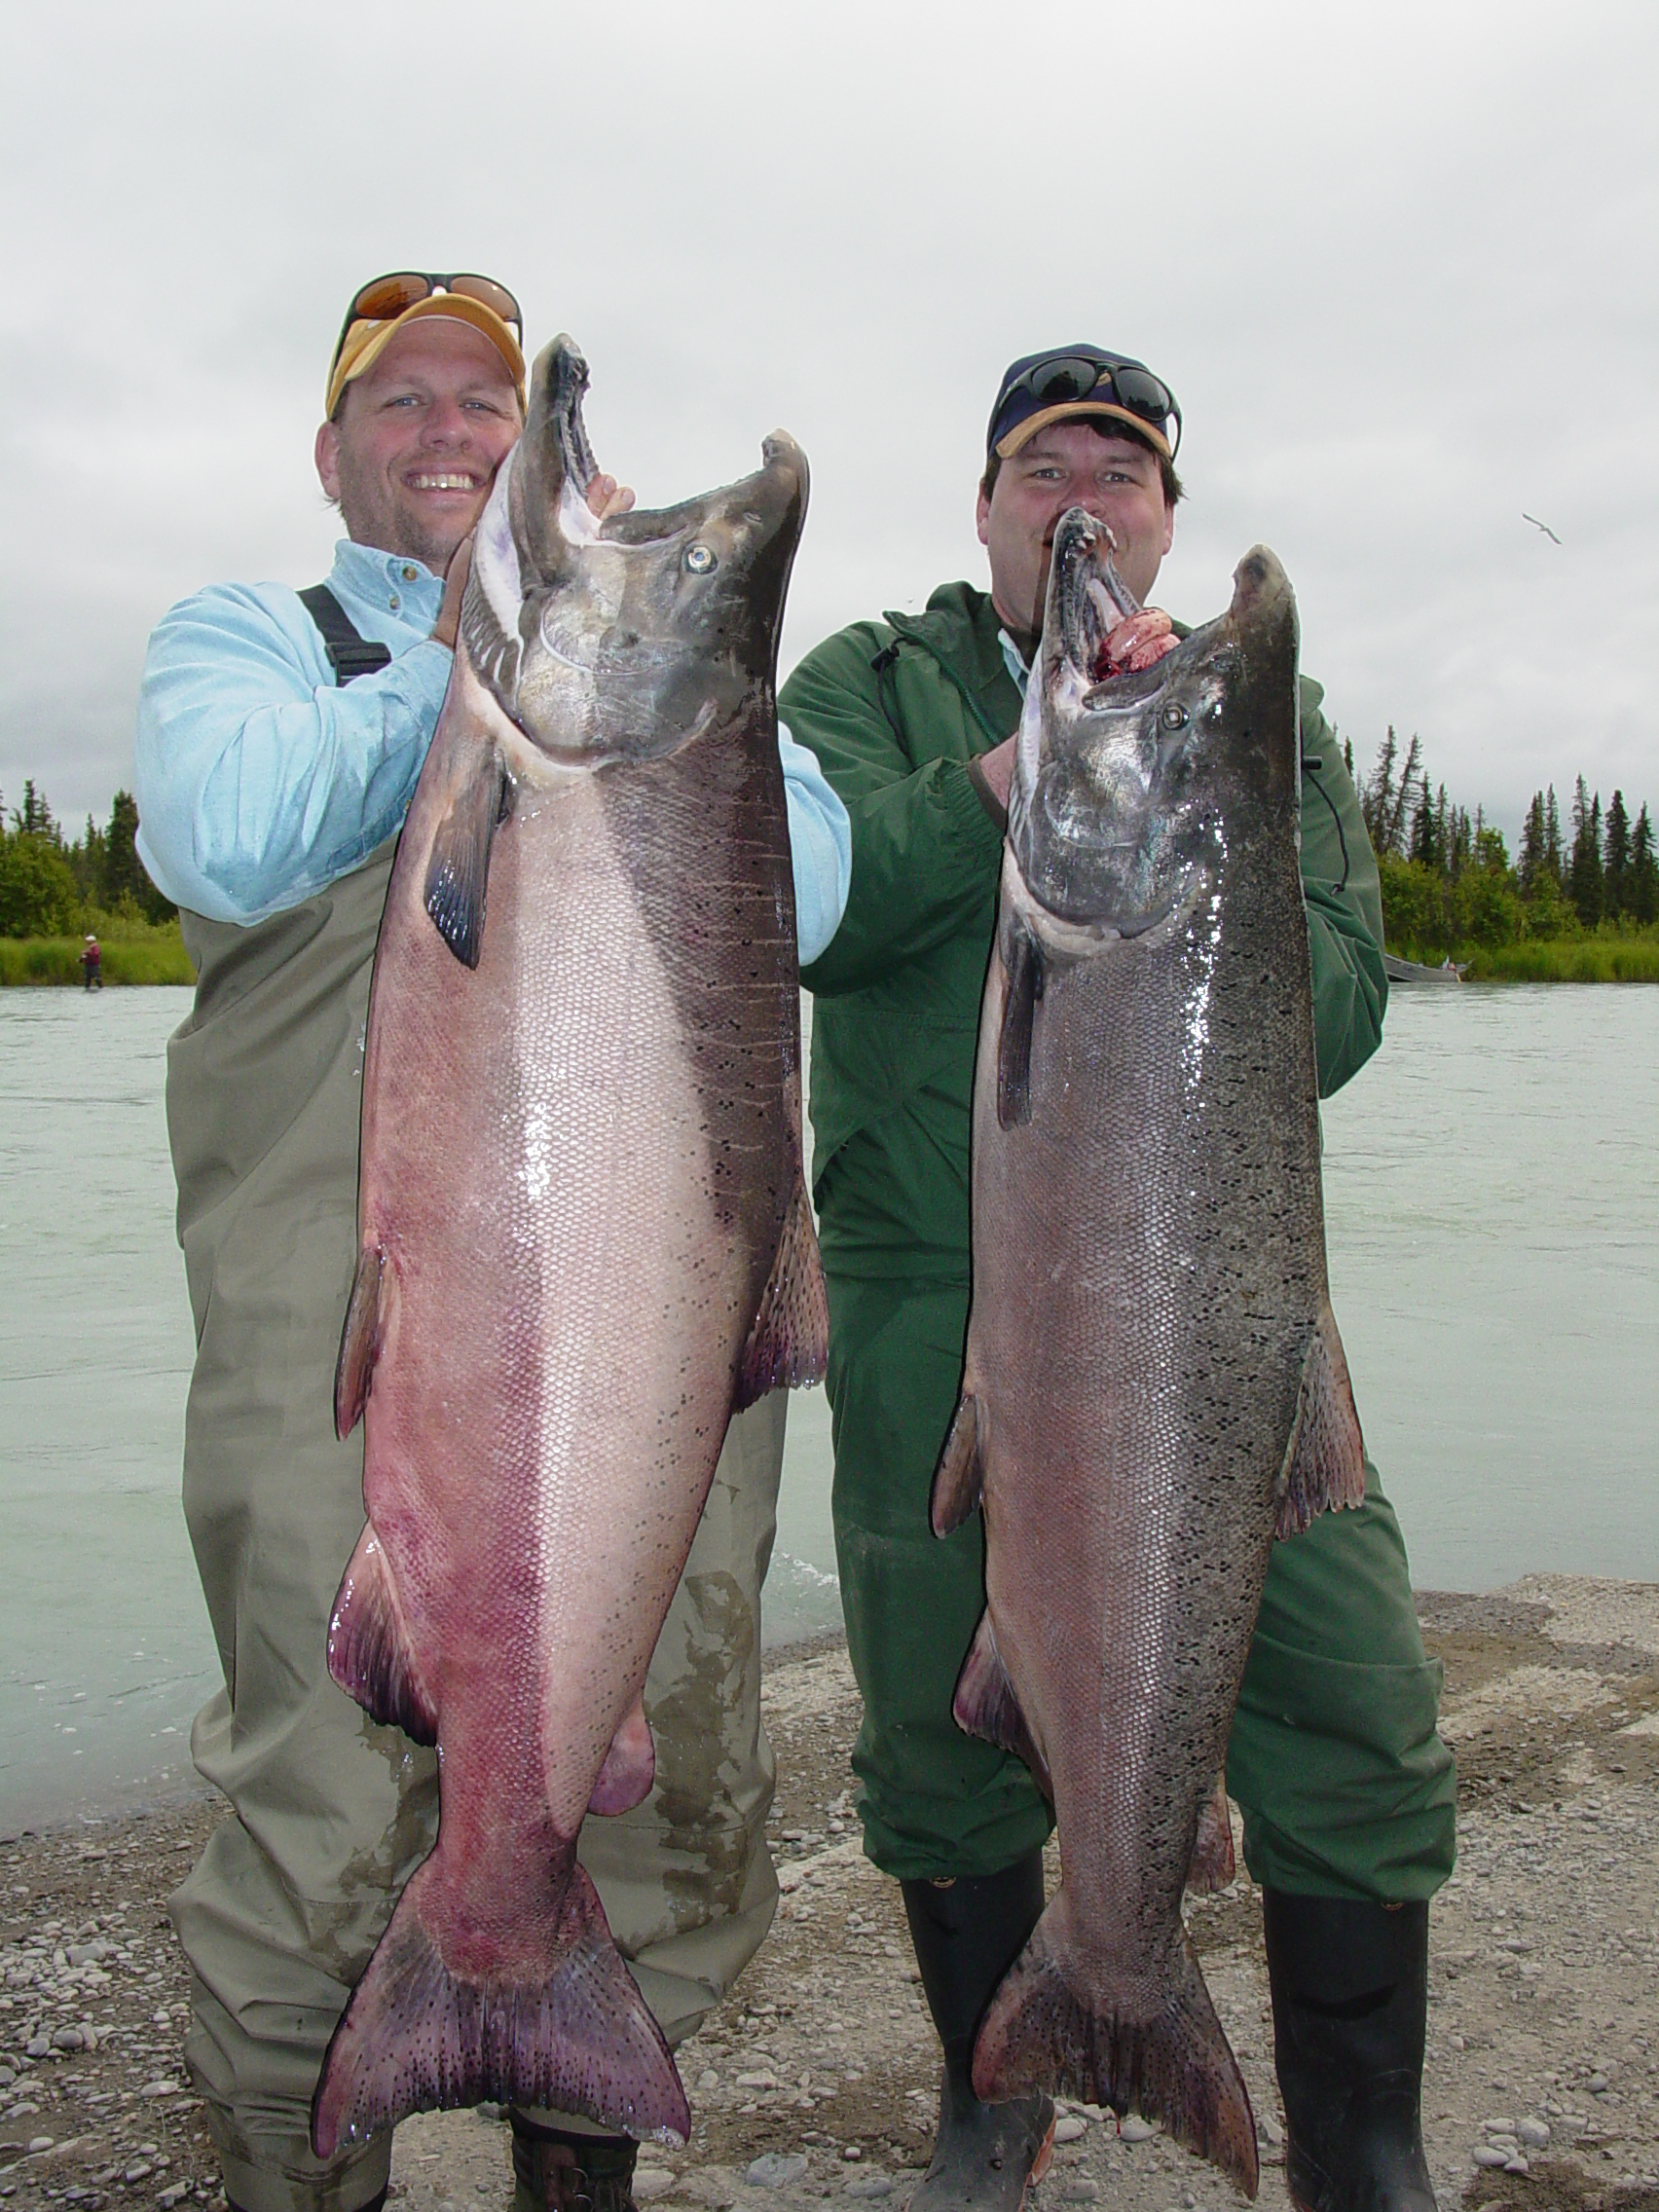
(1493, 1194)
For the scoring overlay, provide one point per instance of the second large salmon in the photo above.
(1154, 1388)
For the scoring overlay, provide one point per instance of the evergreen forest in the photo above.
(1580, 899)
(54, 889)
(1450, 889)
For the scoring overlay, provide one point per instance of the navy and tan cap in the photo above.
(1067, 381)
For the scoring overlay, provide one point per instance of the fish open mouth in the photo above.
(569, 372)
(1093, 598)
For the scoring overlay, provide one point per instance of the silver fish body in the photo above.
(584, 1240)
(1153, 1386)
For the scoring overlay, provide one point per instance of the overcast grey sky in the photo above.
(1398, 263)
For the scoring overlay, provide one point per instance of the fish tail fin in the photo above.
(572, 2033)
(1046, 2029)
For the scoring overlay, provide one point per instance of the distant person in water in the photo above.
(91, 964)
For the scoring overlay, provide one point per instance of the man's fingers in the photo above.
(997, 769)
(1128, 643)
(606, 497)
(448, 624)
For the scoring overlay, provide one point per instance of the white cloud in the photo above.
(1397, 263)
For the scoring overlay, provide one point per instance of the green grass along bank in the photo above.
(156, 954)
(134, 952)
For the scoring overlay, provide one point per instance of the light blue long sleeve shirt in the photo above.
(259, 780)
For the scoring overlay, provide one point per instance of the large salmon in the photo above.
(584, 1240)
(1154, 1387)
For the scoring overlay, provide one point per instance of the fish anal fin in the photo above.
(371, 1655)
(1212, 1866)
(457, 867)
(788, 1341)
(1052, 2026)
(985, 1705)
(1324, 1461)
(359, 1343)
(959, 1480)
(1022, 963)
(567, 2029)
(629, 1765)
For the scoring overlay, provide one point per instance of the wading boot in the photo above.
(1350, 2007)
(966, 1934)
(555, 2171)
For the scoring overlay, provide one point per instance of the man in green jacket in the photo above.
(1346, 1790)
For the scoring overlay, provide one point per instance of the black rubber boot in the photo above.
(1350, 2008)
(555, 2171)
(966, 1934)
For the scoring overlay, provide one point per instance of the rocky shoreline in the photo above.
(816, 2079)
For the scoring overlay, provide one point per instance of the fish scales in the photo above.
(584, 1240)
(1152, 1388)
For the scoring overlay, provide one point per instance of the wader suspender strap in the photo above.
(348, 650)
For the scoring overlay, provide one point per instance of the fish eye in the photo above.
(699, 559)
(1174, 715)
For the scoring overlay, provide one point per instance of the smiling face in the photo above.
(1071, 464)
(418, 438)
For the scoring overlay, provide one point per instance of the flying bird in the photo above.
(1543, 526)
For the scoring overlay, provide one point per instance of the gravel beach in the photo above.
(816, 2079)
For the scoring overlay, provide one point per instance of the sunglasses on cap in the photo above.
(1084, 375)
(384, 298)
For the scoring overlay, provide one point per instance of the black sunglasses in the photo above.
(384, 298)
(1079, 376)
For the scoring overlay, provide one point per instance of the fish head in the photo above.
(1129, 792)
(618, 639)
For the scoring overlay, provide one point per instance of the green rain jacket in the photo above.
(894, 710)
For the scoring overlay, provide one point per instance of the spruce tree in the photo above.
(1584, 869)
(1552, 836)
(1422, 841)
(1615, 861)
(1532, 862)
(1376, 800)
(1644, 872)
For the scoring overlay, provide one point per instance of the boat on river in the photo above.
(1414, 972)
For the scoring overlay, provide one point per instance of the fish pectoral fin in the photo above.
(1021, 957)
(458, 870)
(985, 1705)
(789, 1341)
(371, 1655)
(359, 1343)
(959, 1480)
(1212, 1866)
(629, 1765)
(1324, 1461)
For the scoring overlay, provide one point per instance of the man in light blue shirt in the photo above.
(280, 740)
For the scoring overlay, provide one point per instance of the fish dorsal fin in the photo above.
(789, 1344)
(1022, 960)
(359, 1343)
(985, 1705)
(629, 1765)
(370, 1652)
(1324, 1461)
(961, 1472)
(1212, 1866)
